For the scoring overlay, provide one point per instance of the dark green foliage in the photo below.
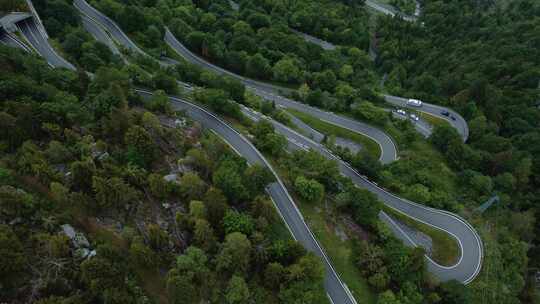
(257, 178)
(267, 140)
(63, 22)
(453, 292)
(162, 80)
(228, 178)
(218, 101)
(364, 205)
(76, 153)
(140, 143)
(309, 189)
(12, 5)
(12, 260)
(238, 222)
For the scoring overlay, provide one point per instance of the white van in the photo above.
(414, 103)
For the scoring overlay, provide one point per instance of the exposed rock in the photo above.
(103, 156)
(340, 233)
(180, 122)
(171, 178)
(84, 253)
(77, 239)
(16, 221)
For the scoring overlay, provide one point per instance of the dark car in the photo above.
(453, 118)
(445, 113)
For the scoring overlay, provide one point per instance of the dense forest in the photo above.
(162, 210)
(256, 41)
(172, 215)
(481, 58)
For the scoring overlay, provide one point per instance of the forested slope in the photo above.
(477, 58)
(481, 58)
(161, 214)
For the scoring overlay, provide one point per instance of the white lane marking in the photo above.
(445, 213)
(412, 203)
(330, 298)
(130, 44)
(278, 181)
(28, 27)
(460, 123)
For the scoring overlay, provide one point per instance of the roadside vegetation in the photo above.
(478, 76)
(330, 129)
(445, 250)
(432, 120)
(492, 80)
(13, 6)
(345, 220)
(164, 212)
(339, 244)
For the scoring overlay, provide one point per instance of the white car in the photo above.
(402, 112)
(414, 103)
(414, 117)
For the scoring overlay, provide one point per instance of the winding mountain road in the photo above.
(325, 45)
(270, 92)
(422, 126)
(33, 35)
(110, 25)
(390, 10)
(12, 41)
(99, 33)
(458, 122)
(470, 243)
(471, 246)
(336, 290)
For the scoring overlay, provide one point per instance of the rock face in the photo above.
(171, 178)
(79, 241)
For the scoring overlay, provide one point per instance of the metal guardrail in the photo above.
(36, 15)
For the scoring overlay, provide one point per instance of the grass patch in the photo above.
(338, 251)
(322, 224)
(433, 120)
(290, 86)
(330, 129)
(154, 284)
(445, 249)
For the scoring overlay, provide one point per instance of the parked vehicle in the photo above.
(414, 117)
(414, 102)
(402, 112)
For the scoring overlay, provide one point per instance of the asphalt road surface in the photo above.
(388, 10)
(471, 246)
(31, 32)
(324, 44)
(98, 33)
(9, 40)
(459, 123)
(335, 288)
(422, 126)
(110, 25)
(470, 261)
(271, 92)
